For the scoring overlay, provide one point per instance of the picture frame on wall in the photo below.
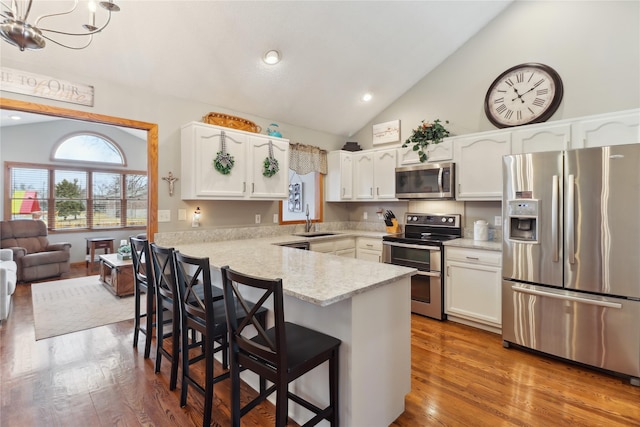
(387, 132)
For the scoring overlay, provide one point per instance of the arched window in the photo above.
(89, 148)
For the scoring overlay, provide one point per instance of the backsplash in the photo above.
(170, 238)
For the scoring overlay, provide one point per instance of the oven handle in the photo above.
(410, 246)
(428, 273)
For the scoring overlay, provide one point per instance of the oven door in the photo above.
(426, 284)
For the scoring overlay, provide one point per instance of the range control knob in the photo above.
(415, 218)
(444, 219)
(450, 219)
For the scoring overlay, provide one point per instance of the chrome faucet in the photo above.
(307, 223)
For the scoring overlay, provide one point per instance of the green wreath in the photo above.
(223, 162)
(270, 166)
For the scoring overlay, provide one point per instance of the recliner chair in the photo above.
(35, 256)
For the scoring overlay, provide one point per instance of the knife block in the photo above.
(395, 228)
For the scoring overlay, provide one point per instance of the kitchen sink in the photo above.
(315, 234)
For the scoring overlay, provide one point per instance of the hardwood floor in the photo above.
(461, 376)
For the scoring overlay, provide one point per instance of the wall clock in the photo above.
(526, 93)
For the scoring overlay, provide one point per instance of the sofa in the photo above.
(8, 279)
(35, 257)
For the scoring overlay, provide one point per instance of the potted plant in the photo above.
(124, 252)
(425, 134)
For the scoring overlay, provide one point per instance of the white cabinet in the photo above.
(374, 175)
(473, 287)
(339, 176)
(343, 246)
(268, 187)
(369, 249)
(442, 152)
(478, 161)
(607, 129)
(200, 144)
(541, 137)
(363, 171)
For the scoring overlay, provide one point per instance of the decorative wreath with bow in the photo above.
(223, 161)
(271, 166)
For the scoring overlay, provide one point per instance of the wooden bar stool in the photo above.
(279, 354)
(94, 243)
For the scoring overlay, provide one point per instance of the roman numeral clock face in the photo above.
(526, 93)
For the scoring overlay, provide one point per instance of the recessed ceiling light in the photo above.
(271, 57)
(367, 97)
(14, 117)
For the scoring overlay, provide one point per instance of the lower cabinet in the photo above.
(345, 246)
(369, 249)
(473, 287)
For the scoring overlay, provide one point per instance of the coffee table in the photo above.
(116, 275)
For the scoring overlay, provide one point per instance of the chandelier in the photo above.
(15, 29)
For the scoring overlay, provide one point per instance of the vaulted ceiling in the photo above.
(332, 53)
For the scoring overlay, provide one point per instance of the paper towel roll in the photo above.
(480, 230)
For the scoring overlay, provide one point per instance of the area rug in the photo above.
(72, 305)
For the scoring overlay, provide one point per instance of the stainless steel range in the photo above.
(421, 247)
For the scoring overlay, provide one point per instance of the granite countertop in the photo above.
(315, 277)
(488, 245)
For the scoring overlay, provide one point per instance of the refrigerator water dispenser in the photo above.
(522, 215)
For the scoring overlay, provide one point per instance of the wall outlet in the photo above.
(182, 214)
(365, 215)
(258, 219)
(276, 220)
(497, 221)
(164, 215)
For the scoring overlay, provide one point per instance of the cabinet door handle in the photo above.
(448, 266)
(377, 191)
(253, 187)
(369, 245)
(244, 187)
(371, 190)
(475, 258)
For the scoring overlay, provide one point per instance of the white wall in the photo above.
(593, 45)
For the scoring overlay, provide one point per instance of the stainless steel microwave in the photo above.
(432, 181)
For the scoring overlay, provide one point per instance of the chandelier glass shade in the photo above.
(16, 29)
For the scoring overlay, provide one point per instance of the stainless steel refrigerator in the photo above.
(571, 255)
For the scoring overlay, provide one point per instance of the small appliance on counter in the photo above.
(481, 230)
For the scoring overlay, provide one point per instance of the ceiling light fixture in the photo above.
(367, 97)
(16, 118)
(15, 29)
(272, 57)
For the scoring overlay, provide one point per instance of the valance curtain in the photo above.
(304, 159)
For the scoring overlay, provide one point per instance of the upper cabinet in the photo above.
(340, 176)
(442, 152)
(478, 161)
(541, 137)
(374, 174)
(361, 176)
(607, 129)
(200, 145)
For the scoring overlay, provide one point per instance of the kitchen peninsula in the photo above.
(365, 304)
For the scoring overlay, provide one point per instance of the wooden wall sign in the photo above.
(26, 83)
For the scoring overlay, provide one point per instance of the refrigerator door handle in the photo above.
(571, 207)
(536, 292)
(554, 219)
